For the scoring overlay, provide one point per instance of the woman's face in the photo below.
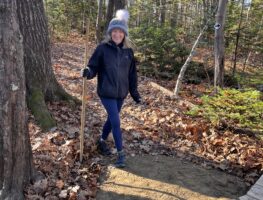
(117, 35)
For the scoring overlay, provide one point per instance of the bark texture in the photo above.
(41, 83)
(98, 23)
(15, 151)
(219, 44)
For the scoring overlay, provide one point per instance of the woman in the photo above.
(113, 62)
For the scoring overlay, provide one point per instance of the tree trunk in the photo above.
(237, 38)
(187, 62)
(15, 154)
(162, 13)
(41, 83)
(179, 13)
(83, 30)
(173, 21)
(205, 11)
(109, 14)
(119, 4)
(98, 23)
(219, 44)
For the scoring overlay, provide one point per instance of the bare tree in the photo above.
(205, 10)
(98, 22)
(173, 18)
(187, 62)
(189, 59)
(162, 13)
(16, 166)
(109, 14)
(119, 4)
(219, 44)
(237, 38)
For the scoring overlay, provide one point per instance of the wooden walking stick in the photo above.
(84, 90)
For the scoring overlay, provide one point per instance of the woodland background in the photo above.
(216, 120)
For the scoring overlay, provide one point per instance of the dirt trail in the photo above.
(167, 178)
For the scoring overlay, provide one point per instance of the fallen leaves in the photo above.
(56, 154)
(157, 127)
(40, 186)
(60, 184)
(235, 153)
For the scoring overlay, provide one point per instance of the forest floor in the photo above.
(170, 155)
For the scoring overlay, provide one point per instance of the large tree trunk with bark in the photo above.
(219, 44)
(15, 150)
(41, 83)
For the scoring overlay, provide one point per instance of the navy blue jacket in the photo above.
(116, 70)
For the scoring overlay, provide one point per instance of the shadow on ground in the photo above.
(162, 177)
(114, 195)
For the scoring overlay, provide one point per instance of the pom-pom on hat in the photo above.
(120, 21)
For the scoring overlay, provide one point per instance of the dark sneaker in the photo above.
(103, 148)
(120, 163)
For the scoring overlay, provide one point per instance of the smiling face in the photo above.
(117, 35)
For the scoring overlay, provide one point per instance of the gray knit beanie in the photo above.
(120, 21)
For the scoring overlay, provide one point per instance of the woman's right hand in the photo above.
(84, 72)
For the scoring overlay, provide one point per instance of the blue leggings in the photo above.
(113, 108)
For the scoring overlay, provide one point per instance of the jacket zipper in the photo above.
(118, 64)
